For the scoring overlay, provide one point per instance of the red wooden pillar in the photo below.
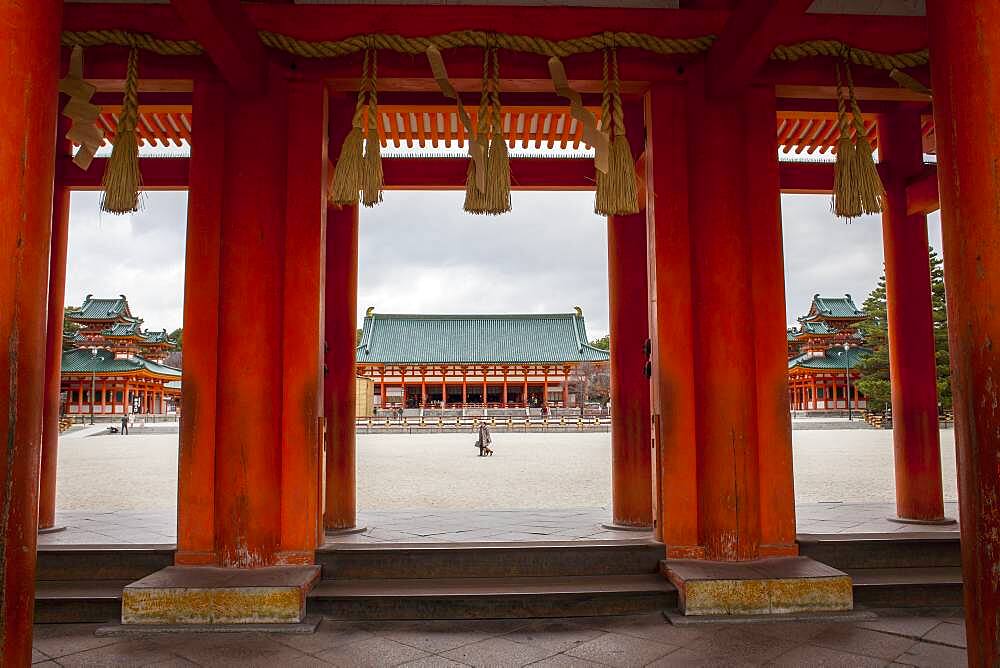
(565, 388)
(341, 330)
(912, 364)
(303, 319)
(767, 279)
(671, 324)
(726, 385)
(29, 61)
(196, 459)
(53, 359)
(965, 56)
(631, 475)
(248, 457)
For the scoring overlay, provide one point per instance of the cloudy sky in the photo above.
(419, 253)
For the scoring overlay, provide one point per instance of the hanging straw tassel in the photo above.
(498, 160)
(373, 179)
(617, 193)
(846, 200)
(122, 181)
(869, 185)
(348, 175)
(475, 198)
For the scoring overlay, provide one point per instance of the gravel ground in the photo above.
(442, 470)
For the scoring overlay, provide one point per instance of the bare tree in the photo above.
(593, 383)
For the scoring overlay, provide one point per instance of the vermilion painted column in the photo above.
(303, 319)
(196, 459)
(29, 61)
(248, 437)
(722, 287)
(767, 274)
(671, 325)
(965, 59)
(631, 473)
(912, 364)
(341, 331)
(53, 359)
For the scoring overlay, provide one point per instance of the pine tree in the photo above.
(939, 310)
(874, 368)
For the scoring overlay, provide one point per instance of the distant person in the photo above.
(124, 431)
(484, 441)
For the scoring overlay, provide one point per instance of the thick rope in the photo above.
(482, 39)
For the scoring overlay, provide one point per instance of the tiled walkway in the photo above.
(450, 526)
(646, 640)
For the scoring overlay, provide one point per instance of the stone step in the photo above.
(939, 587)
(490, 560)
(88, 562)
(63, 602)
(889, 550)
(491, 598)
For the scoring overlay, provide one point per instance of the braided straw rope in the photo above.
(482, 39)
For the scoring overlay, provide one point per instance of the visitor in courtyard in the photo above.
(124, 431)
(484, 441)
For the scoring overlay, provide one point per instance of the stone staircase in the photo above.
(491, 580)
(919, 571)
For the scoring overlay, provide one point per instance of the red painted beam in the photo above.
(750, 36)
(450, 173)
(230, 39)
(922, 195)
(157, 173)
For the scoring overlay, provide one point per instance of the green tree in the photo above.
(178, 338)
(874, 368)
(357, 338)
(939, 310)
(69, 328)
(604, 343)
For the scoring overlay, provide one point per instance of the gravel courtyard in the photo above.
(442, 470)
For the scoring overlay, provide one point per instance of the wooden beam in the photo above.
(750, 35)
(922, 195)
(229, 38)
(449, 174)
(157, 173)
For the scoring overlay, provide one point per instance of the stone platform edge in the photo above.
(207, 595)
(776, 586)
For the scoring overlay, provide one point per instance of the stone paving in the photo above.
(643, 640)
(451, 526)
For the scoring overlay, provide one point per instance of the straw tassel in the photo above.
(846, 200)
(348, 175)
(122, 181)
(476, 199)
(373, 178)
(617, 193)
(870, 189)
(498, 159)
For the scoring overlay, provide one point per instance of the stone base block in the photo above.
(777, 586)
(208, 595)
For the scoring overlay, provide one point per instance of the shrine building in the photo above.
(824, 355)
(686, 105)
(112, 366)
(476, 361)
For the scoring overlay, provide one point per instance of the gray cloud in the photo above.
(420, 253)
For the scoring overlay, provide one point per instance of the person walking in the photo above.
(484, 441)
(124, 431)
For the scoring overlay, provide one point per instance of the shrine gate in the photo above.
(266, 93)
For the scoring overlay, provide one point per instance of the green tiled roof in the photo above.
(156, 337)
(122, 329)
(832, 358)
(82, 360)
(469, 339)
(103, 309)
(833, 307)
